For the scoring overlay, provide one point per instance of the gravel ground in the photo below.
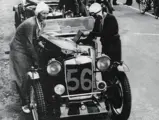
(7, 98)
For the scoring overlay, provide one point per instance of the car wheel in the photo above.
(37, 102)
(121, 102)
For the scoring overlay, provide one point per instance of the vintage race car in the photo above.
(70, 78)
(26, 9)
(58, 9)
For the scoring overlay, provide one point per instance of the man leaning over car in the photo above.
(105, 27)
(23, 53)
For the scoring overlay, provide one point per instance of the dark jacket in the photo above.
(25, 38)
(110, 29)
(110, 38)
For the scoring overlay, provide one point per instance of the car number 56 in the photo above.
(84, 83)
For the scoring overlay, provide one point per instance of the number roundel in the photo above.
(74, 83)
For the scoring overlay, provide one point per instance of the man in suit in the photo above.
(106, 27)
(23, 53)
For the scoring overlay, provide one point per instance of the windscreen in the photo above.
(69, 25)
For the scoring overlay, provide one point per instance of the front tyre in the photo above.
(121, 102)
(37, 102)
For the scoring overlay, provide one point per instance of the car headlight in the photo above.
(101, 85)
(59, 89)
(54, 67)
(103, 63)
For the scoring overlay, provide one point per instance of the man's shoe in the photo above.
(26, 109)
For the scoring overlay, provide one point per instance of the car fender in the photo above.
(123, 68)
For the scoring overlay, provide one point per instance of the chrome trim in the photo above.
(103, 83)
(80, 97)
(93, 93)
(101, 106)
(93, 56)
(96, 113)
(79, 60)
(66, 78)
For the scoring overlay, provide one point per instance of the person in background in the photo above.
(128, 2)
(107, 4)
(23, 53)
(70, 5)
(76, 6)
(83, 7)
(86, 3)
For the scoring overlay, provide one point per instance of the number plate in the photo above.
(79, 78)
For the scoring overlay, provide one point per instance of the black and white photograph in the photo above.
(79, 59)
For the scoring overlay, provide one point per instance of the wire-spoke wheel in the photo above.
(33, 104)
(121, 102)
(37, 102)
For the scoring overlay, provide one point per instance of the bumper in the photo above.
(93, 110)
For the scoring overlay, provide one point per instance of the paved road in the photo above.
(140, 40)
